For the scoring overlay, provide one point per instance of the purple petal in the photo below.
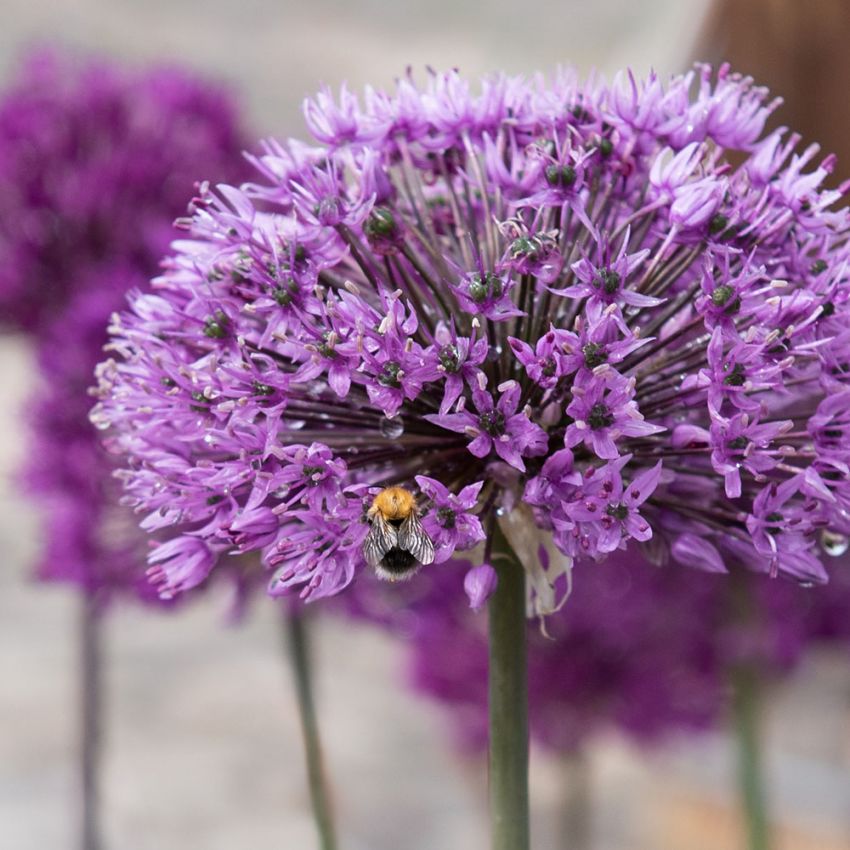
(697, 552)
(479, 583)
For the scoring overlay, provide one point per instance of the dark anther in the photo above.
(717, 224)
(380, 224)
(492, 422)
(524, 246)
(262, 389)
(446, 517)
(620, 512)
(560, 175)
(389, 374)
(723, 294)
(483, 287)
(594, 355)
(215, 326)
(600, 417)
(325, 348)
(736, 377)
(449, 358)
(774, 519)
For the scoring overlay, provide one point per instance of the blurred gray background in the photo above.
(278, 52)
(203, 749)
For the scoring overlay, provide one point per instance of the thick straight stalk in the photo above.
(90, 716)
(508, 702)
(746, 707)
(299, 653)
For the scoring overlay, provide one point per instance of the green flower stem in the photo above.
(746, 710)
(508, 702)
(299, 653)
(90, 716)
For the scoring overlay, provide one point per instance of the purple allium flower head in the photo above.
(568, 296)
(95, 163)
(610, 661)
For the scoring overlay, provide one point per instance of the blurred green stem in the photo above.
(508, 702)
(90, 716)
(299, 653)
(747, 715)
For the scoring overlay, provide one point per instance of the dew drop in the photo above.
(392, 427)
(805, 584)
(98, 418)
(493, 353)
(500, 511)
(834, 544)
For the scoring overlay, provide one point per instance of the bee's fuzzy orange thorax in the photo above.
(394, 503)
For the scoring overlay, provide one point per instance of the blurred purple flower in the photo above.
(610, 661)
(95, 164)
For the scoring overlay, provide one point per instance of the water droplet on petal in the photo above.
(834, 544)
(392, 427)
(98, 418)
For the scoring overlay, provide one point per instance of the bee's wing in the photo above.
(413, 538)
(381, 538)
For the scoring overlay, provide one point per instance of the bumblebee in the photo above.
(397, 544)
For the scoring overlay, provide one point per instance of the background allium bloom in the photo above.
(611, 662)
(638, 294)
(95, 164)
